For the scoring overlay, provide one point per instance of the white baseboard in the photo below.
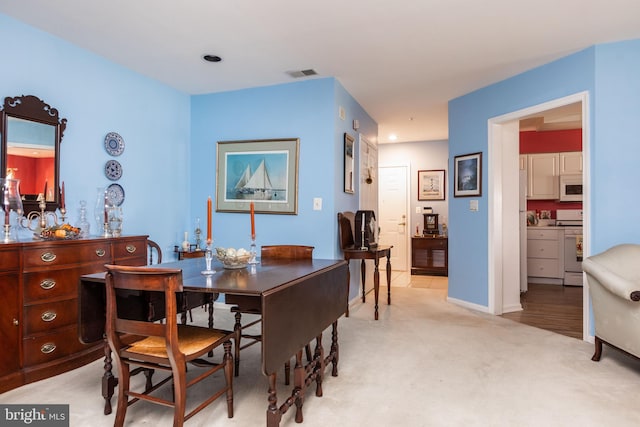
(467, 304)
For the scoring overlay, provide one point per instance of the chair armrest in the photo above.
(611, 281)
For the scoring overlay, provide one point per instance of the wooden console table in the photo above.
(429, 255)
(375, 254)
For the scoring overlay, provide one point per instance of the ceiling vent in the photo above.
(302, 73)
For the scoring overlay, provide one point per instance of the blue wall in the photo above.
(170, 139)
(306, 110)
(299, 110)
(615, 148)
(97, 97)
(609, 73)
(468, 118)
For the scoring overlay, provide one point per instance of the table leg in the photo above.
(335, 350)
(299, 384)
(363, 273)
(389, 278)
(348, 284)
(376, 285)
(273, 413)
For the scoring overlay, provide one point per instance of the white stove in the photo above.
(571, 220)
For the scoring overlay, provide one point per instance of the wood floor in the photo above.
(551, 307)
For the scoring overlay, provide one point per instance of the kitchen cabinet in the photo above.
(542, 176)
(545, 255)
(571, 163)
(39, 314)
(429, 255)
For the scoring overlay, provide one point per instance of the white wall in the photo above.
(424, 155)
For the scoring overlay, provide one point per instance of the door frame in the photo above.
(502, 198)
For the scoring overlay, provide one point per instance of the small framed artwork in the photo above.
(467, 178)
(349, 164)
(261, 171)
(431, 185)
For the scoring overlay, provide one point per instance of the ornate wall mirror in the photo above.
(31, 132)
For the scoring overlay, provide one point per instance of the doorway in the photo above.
(504, 252)
(393, 221)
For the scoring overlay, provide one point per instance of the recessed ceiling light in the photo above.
(393, 137)
(212, 58)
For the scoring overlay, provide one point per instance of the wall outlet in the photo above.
(317, 204)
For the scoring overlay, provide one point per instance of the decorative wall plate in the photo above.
(114, 144)
(115, 194)
(113, 170)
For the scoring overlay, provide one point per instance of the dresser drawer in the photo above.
(55, 284)
(57, 255)
(46, 348)
(50, 316)
(130, 251)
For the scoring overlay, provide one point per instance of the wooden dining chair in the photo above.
(166, 346)
(267, 252)
(153, 247)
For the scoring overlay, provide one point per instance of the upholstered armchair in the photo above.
(614, 285)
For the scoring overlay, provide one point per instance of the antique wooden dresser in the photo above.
(39, 303)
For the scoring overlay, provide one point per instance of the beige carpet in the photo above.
(424, 363)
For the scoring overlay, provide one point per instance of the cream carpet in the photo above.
(424, 363)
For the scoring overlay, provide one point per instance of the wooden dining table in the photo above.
(299, 300)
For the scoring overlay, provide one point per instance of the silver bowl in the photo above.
(234, 261)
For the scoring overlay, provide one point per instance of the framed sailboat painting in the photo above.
(263, 171)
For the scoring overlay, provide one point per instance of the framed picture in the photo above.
(349, 164)
(264, 171)
(431, 185)
(468, 175)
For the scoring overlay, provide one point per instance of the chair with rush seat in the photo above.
(164, 346)
(614, 286)
(248, 306)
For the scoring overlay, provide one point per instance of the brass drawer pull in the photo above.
(48, 257)
(131, 248)
(100, 252)
(49, 316)
(47, 284)
(48, 348)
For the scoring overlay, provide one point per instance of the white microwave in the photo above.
(570, 188)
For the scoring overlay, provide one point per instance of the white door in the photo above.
(393, 221)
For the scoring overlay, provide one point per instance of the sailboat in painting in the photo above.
(257, 185)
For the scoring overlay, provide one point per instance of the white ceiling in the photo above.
(402, 60)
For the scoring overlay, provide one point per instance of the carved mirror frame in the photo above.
(32, 108)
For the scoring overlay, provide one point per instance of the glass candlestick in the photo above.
(208, 257)
(253, 259)
(11, 201)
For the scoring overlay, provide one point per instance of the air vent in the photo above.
(302, 73)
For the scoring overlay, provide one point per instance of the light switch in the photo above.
(473, 205)
(317, 203)
(418, 209)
